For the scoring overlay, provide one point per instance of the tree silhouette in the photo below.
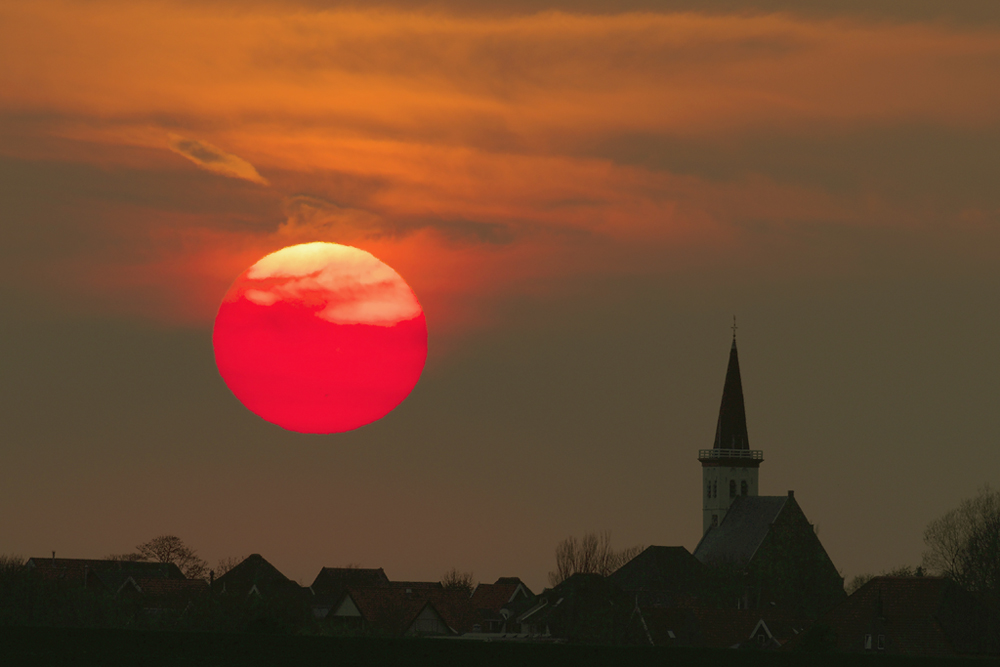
(170, 549)
(458, 581)
(591, 555)
(964, 544)
(226, 564)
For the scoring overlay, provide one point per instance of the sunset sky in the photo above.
(581, 195)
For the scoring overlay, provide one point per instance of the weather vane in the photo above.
(734, 328)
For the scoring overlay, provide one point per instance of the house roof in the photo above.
(668, 569)
(417, 585)
(157, 593)
(742, 530)
(584, 607)
(253, 571)
(391, 610)
(171, 587)
(495, 596)
(111, 573)
(335, 579)
(731, 429)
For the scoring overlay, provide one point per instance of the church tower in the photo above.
(730, 468)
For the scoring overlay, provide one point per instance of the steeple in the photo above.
(730, 468)
(731, 430)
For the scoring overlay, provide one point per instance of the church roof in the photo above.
(731, 431)
(742, 530)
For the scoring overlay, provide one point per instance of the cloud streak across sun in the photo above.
(483, 154)
(343, 285)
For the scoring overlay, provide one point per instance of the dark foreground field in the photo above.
(48, 646)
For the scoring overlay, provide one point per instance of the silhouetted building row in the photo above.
(758, 578)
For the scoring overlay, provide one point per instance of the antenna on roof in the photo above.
(734, 328)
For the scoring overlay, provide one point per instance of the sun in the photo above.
(320, 338)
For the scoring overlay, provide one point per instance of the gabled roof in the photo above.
(671, 570)
(391, 610)
(162, 593)
(253, 572)
(731, 429)
(155, 586)
(110, 573)
(584, 607)
(742, 530)
(495, 596)
(335, 579)
(417, 585)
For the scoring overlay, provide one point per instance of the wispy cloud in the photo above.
(214, 159)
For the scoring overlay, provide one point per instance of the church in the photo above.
(762, 549)
(758, 555)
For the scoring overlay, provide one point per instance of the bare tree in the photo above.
(591, 555)
(10, 563)
(964, 544)
(226, 564)
(458, 581)
(857, 582)
(170, 549)
(125, 558)
(901, 571)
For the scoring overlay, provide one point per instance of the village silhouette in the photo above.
(759, 579)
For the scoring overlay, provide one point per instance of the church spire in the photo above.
(731, 431)
(730, 469)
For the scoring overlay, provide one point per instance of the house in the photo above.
(925, 616)
(159, 595)
(585, 608)
(762, 550)
(254, 576)
(663, 576)
(715, 628)
(335, 579)
(397, 611)
(330, 584)
(491, 604)
(257, 597)
(97, 574)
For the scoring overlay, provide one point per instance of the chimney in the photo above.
(791, 494)
(53, 559)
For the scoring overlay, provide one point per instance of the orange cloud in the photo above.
(479, 156)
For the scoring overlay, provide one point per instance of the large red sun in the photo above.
(320, 338)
